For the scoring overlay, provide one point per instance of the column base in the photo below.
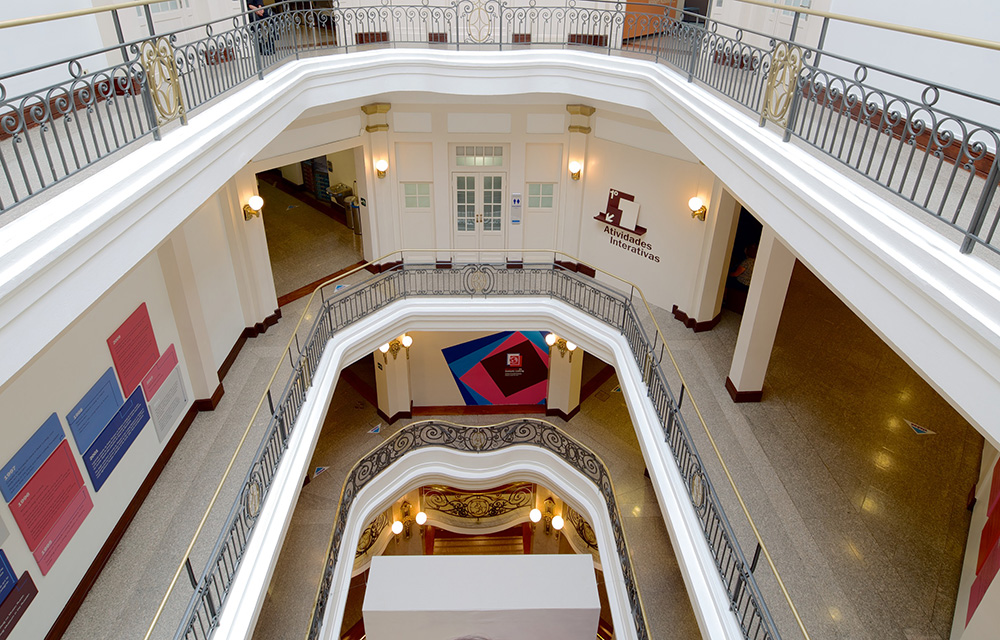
(395, 416)
(742, 396)
(693, 324)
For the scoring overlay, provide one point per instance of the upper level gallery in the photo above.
(479, 131)
(882, 192)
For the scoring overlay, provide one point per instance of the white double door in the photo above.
(480, 217)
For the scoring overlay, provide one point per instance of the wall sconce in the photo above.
(398, 527)
(562, 344)
(393, 346)
(574, 170)
(697, 207)
(381, 166)
(547, 517)
(252, 207)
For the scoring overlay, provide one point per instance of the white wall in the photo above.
(662, 187)
(63, 39)
(956, 65)
(216, 279)
(56, 380)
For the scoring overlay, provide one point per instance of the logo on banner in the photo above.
(513, 359)
(621, 218)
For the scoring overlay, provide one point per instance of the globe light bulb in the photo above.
(397, 527)
(550, 339)
(535, 515)
(570, 346)
(406, 340)
(557, 523)
(421, 518)
(384, 348)
(256, 203)
(382, 165)
(695, 203)
(575, 167)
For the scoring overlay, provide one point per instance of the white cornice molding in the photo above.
(940, 310)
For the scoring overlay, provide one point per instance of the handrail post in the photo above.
(795, 27)
(118, 32)
(822, 41)
(149, 21)
(979, 216)
(792, 109)
(695, 47)
(147, 102)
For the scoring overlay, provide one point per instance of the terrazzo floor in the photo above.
(865, 519)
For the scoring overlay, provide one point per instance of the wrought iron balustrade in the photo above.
(891, 128)
(340, 309)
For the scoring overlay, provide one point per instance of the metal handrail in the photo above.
(903, 140)
(612, 307)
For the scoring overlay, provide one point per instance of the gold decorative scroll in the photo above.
(782, 82)
(161, 74)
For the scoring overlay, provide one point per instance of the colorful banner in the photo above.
(42, 501)
(89, 417)
(511, 367)
(158, 374)
(7, 576)
(16, 603)
(63, 530)
(133, 349)
(107, 451)
(30, 457)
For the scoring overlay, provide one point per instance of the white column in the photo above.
(565, 373)
(195, 341)
(257, 280)
(771, 273)
(392, 384)
(722, 218)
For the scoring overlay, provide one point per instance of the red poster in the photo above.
(45, 497)
(163, 367)
(133, 349)
(62, 532)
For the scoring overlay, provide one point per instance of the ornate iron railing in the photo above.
(901, 138)
(349, 305)
(431, 433)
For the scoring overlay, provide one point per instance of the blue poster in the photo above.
(7, 577)
(16, 473)
(102, 458)
(95, 410)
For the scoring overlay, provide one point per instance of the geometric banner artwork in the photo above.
(510, 367)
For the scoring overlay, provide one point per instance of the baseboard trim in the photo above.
(97, 566)
(592, 385)
(478, 410)
(742, 396)
(302, 292)
(270, 321)
(559, 413)
(693, 324)
(234, 353)
(209, 404)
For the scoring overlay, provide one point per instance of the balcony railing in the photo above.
(336, 306)
(937, 161)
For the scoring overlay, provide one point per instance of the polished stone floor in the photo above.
(865, 519)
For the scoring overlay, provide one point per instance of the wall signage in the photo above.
(511, 367)
(621, 220)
